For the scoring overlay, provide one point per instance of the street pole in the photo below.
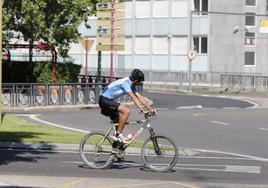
(86, 61)
(190, 48)
(1, 4)
(99, 66)
(112, 42)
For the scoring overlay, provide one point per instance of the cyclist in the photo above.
(117, 112)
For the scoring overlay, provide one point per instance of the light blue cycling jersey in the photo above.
(118, 88)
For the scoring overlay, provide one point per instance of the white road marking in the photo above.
(190, 107)
(34, 117)
(219, 122)
(163, 109)
(243, 169)
(2, 184)
(231, 108)
(57, 125)
(228, 168)
(198, 114)
(263, 129)
(196, 167)
(234, 154)
(25, 115)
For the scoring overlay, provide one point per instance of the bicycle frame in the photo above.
(147, 125)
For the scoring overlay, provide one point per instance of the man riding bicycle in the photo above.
(119, 112)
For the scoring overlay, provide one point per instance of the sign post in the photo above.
(87, 43)
(110, 29)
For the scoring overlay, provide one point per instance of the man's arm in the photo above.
(144, 102)
(135, 100)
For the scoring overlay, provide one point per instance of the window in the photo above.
(266, 5)
(201, 5)
(250, 2)
(179, 45)
(142, 45)
(128, 9)
(250, 38)
(249, 58)
(143, 26)
(160, 9)
(200, 44)
(250, 19)
(142, 9)
(160, 45)
(180, 9)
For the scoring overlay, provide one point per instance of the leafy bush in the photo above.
(39, 72)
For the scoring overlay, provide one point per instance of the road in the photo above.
(235, 134)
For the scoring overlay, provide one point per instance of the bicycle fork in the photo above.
(154, 140)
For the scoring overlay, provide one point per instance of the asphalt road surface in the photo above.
(231, 135)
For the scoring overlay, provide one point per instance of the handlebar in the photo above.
(149, 115)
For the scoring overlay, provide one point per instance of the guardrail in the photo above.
(46, 94)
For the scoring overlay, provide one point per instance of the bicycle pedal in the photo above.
(119, 153)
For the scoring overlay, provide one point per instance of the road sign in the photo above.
(264, 26)
(191, 54)
(109, 47)
(107, 39)
(108, 6)
(110, 26)
(87, 44)
(108, 31)
(108, 23)
(108, 14)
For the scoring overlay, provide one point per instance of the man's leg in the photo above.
(124, 114)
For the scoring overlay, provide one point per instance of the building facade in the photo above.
(227, 36)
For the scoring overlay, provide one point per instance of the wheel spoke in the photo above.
(96, 150)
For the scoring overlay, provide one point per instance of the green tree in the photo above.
(54, 22)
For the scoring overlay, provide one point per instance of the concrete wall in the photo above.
(226, 47)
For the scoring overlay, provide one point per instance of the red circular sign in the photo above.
(191, 54)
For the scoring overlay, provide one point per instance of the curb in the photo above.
(49, 108)
(61, 108)
(75, 147)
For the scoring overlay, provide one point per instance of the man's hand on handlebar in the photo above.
(151, 112)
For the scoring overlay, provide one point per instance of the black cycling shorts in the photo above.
(109, 108)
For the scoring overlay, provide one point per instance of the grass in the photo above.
(16, 129)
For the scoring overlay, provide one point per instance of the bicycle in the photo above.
(98, 150)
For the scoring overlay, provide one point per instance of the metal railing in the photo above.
(242, 81)
(48, 94)
(45, 94)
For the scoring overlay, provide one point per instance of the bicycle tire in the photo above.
(95, 156)
(164, 161)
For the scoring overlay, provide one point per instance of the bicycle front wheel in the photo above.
(159, 153)
(96, 150)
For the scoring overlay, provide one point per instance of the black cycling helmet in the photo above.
(137, 74)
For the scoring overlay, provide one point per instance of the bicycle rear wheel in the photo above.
(159, 153)
(96, 150)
